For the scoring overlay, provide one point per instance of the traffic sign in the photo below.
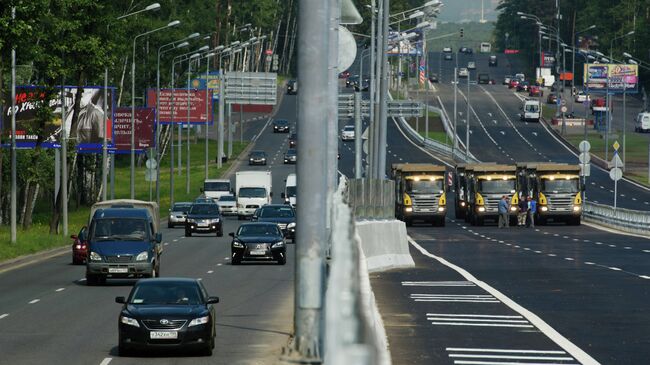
(563, 102)
(151, 164)
(616, 161)
(585, 157)
(564, 109)
(584, 146)
(616, 146)
(268, 52)
(150, 175)
(585, 169)
(615, 174)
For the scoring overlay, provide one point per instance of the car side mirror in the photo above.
(271, 194)
(120, 300)
(158, 237)
(231, 234)
(213, 300)
(201, 189)
(282, 195)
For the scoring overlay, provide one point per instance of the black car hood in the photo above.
(285, 220)
(203, 216)
(259, 239)
(163, 311)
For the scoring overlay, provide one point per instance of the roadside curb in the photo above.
(33, 258)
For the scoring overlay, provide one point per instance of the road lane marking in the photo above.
(106, 361)
(641, 276)
(483, 325)
(463, 349)
(210, 271)
(60, 289)
(615, 268)
(437, 283)
(568, 259)
(506, 357)
(552, 255)
(34, 301)
(589, 263)
(551, 333)
(219, 264)
(4, 315)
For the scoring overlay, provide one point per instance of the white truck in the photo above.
(216, 188)
(532, 110)
(253, 189)
(289, 194)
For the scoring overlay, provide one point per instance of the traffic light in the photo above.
(461, 32)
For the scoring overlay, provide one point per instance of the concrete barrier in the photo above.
(384, 244)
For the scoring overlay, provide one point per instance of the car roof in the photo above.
(183, 203)
(275, 206)
(259, 224)
(281, 120)
(257, 151)
(168, 280)
(121, 213)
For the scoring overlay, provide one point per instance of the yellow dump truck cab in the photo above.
(487, 184)
(420, 193)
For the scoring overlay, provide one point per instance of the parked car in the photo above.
(290, 156)
(257, 158)
(293, 140)
(522, 86)
(204, 218)
(581, 97)
(227, 205)
(347, 133)
(166, 313)
(506, 80)
(535, 90)
(513, 83)
(551, 98)
(471, 65)
(281, 125)
(463, 72)
(448, 56)
(178, 213)
(79, 247)
(258, 241)
(292, 87)
(281, 214)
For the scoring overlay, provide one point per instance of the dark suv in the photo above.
(281, 125)
(293, 140)
(281, 214)
(204, 218)
(292, 87)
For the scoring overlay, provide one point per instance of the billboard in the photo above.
(213, 79)
(145, 119)
(38, 116)
(612, 78)
(411, 46)
(548, 60)
(196, 100)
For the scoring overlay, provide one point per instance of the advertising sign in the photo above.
(612, 78)
(197, 103)
(411, 46)
(213, 83)
(38, 117)
(145, 119)
(548, 60)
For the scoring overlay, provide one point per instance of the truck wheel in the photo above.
(479, 221)
(408, 221)
(239, 217)
(574, 221)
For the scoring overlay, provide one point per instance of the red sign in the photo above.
(144, 127)
(268, 52)
(511, 51)
(197, 104)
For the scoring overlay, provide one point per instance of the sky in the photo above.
(467, 10)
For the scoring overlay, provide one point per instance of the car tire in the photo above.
(91, 280)
(188, 233)
(220, 233)
(240, 217)
(282, 260)
(170, 225)
(122, 350)
(235, 261)
(408, 222)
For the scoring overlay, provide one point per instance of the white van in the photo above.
(216, 188)
(289, 194)
(532, 110)
(642, 122)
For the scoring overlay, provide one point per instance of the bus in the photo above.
(486, 47)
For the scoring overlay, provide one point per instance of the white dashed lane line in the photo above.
(34, 301)
(60, 289)
(4, 315)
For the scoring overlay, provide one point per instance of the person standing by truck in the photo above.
(503, 212)
(532, 209)
(523, 212)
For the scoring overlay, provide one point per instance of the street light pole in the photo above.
(14, 191)
(383, 117)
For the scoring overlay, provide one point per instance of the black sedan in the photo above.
(290, 156)
(293, 140)
(258, 241)
(281, 126)
(204, 218)
(257, 158)
(167, 313)
(281, 214)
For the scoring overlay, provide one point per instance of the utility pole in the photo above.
(383, 117)
(454, 145)
(14, 191)
(468, 115)
(357, 135)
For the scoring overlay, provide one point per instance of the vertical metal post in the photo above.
(208, 101)
(383, 117)
(357, 136)
(607, 116)
(333, 115)
(187, 144)
(313, 24)
(467, 117)
(14, 191)
(158, 129)
(373, 83)
(64, 163)
(132, 180)
(615, 181)
(222, 103)
(624, 123)
(426, 120)
(112, 167)
(454, 145)
(171, 143)
(587, 100)
(104, 141)
(379, 49)
(563, 89)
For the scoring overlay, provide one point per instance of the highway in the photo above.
(48, 314)
(480, 295)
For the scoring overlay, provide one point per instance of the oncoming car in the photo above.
(281, 214)
(257, 158)
(258, 241)
(204, 218)
(347, 133)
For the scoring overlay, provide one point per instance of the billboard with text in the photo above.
(612, 78)
(187, 106)
(145, 119)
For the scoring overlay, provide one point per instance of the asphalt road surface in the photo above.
(49, 316)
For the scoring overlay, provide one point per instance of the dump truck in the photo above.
(485, 184)
(420, 193)
(460, 187)
(557, 188)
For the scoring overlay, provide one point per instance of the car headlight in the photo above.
(291, 225)
(441, 209)
(543, 209)
(94, 256)
(129, 321)
(462, 204)
(216, 220)
(142, 256)
(576, 208)
(408, 209)
(481, 209)
(237, 244)
(190, 220)
(278, 244)
(513, 209)
(199, 321)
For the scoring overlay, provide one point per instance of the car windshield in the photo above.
(257, 154)
(291, 191)
(227, 198)
(281, 122)
(348, 128)
(497, 186)
(532, 108)
(216, 186)
(560, 185)
(291, 151)
(166, 293)
(181, 207)
(424, 186)
(252, 193)
(207, 209)
(126, 229)
(258, 230)
(276, 212)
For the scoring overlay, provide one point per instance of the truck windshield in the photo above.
(291, 191)
(532, 108)
(560, 186)
(216, 186)
(252, 193)
(496, 186)
(424, 186)
(125, 229)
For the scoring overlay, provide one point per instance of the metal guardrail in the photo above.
(628, 220)
(371, 198)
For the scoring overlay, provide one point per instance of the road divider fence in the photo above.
(626, 220)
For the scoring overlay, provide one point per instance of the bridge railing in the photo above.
(628, 220)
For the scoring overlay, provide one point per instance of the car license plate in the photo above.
(157, 335)
(202, 225)
(118, 270)
(258, 252)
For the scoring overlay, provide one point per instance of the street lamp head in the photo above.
(245, 44)
(604, 59)
(539, 24)
(252, 39)
(174, 23)
(219, 48)
(211, 54)
(226, 50)
(195, 55)
(154, 6)
(632, 62)
(564, 45)
(432, 3)
(630, 32)
(590, 57)
(520, 13)
(422, 25)
(416, 14)
(234, 43)
(262, 37)
(601, 54)
(192, 36)
(181, 45)
(545, 37)
(593, 26)
(627, 55)
(204, 48)
(207, 37)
